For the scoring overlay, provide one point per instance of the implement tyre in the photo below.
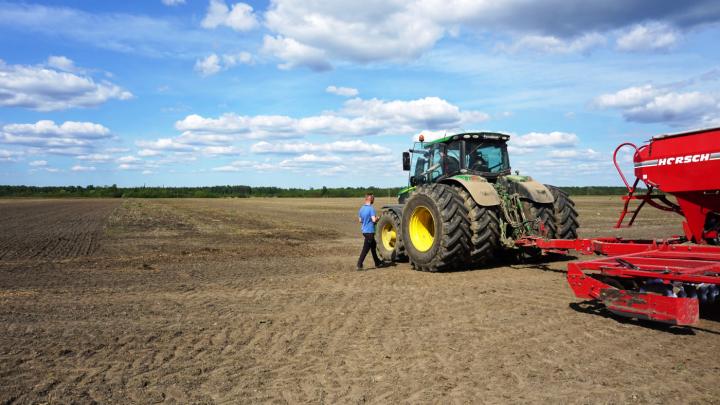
(436, 228)
(388, 235)
(564, 215)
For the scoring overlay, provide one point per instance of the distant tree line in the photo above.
(114, 191)
(599, 190)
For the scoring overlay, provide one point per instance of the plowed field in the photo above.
(257, 300)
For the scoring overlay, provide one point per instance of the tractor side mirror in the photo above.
(413, 181)
(406, 161)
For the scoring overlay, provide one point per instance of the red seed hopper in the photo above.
(661, 280)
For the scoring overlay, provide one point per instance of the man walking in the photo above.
(367, 219)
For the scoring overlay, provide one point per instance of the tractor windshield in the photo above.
(486, 157)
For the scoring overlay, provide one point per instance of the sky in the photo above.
(312, 93)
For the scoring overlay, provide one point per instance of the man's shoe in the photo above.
(382, 264)
(359, 268)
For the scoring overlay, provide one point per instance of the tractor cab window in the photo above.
(418, 165)
(437, 153)
(431, 162)
(485, 157)
(452, 158)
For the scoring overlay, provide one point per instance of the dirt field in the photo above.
(246, 301)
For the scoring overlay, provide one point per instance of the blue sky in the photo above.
(306, 93)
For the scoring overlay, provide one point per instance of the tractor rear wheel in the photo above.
(436, 228)
(484, 229)
(564, 215)
(388, 236)
(544, 212)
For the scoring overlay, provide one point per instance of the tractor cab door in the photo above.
(427, 164)
(437, 161)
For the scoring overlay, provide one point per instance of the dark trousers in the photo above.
(369, 244)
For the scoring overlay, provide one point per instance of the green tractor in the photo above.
(464, 207)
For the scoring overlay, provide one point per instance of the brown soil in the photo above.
(217, 301)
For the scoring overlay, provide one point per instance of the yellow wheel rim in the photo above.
(422, 229)
(388, 235)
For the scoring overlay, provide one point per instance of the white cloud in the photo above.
(586, 154)
(648, 37)
(310, 160)
(63, 63)
(9, 155)
(540, 139)
(166, 144)
(38, 163)
(208, 65)
(238, 165)
(354, 146)
(239, 17)
(220, 150)
(45, 89)
(95, 157)
(649, 103)
(357, 117)
(213, 63)
(69, 137)
(48, 129)
(314, 33)
(342, 91)
(173, 2)
(79, 168)
(295, 53)
(127, 159)
(361, 32)
(553, 44)
(148, 152)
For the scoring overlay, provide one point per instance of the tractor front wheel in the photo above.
(388, 235)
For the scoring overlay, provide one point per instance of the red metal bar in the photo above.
(675, 311)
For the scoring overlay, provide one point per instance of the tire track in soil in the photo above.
(52, 229)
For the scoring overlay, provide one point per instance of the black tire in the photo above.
(565, 216)
(546, 214)
(395, 249)
(450, 246)
(484, 229)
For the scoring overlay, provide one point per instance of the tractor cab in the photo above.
(481, 153)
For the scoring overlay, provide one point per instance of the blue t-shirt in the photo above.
(366, 213)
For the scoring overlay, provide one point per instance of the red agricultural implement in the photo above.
(659, 280)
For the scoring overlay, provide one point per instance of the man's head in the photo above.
(369, 198)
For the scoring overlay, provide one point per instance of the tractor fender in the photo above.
(481, 191)
(534, 191)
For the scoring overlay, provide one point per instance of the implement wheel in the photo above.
(388, 236)
(436, 229)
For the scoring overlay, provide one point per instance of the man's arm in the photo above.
(374, 216)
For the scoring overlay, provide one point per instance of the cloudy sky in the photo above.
(306, 93)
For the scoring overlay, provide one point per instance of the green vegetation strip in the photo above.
(236, 191)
